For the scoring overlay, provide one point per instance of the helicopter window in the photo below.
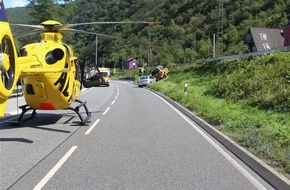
(104, 74)
(90, 70)
(54, 56)
(23, 52)
(29, 89)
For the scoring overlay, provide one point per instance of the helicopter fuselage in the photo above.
(53, 81)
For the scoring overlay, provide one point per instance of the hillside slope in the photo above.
(19, 15)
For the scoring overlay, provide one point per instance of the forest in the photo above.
(185, 33)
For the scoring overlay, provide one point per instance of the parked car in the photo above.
(144, 80)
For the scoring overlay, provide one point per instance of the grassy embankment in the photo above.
(248, 99)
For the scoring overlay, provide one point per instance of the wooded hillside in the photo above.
(184, 35)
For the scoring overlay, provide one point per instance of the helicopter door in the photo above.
(41, 90)
(91, 75)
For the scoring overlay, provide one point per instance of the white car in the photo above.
(144, 80)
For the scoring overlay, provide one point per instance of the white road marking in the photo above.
(13, 118)
(92, 127)
(116, 97)
(41, 184)
(106, 111)
(113, 102)
(253, 180)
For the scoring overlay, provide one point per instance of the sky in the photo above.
(15, 3)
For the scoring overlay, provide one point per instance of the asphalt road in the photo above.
(135, 140)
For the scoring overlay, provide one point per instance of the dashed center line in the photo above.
(52, 172)
(41, 184)
(92, 127)
(106, 111)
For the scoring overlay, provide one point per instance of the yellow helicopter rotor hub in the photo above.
(4, 62)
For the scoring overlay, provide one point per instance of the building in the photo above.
(259, 39)
(286, 33)
(132, 63)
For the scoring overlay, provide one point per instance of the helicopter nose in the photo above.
(54, 56)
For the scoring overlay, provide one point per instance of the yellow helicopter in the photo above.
(50, 74)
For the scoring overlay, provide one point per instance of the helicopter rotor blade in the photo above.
(54, 26)
(112, 22)
(28, 25)
(46, 26)
(31, 32)
(27, 33)
(85, 32)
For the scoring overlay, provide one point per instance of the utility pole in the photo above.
(96, 50)
(149, 49)
(213, 46)
(220, 29)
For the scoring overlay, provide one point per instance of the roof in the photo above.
(132, 59)
(260, 39)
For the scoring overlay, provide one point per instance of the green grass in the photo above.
(246, 99)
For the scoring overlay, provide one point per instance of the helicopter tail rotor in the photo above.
(8, 76)
(7, 70)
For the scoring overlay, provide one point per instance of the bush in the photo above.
(261, 83)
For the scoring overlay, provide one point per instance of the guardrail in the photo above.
(246, 55)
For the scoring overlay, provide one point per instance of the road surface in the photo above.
(135, 140)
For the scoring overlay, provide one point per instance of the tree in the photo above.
(194, 20)
(42, 10)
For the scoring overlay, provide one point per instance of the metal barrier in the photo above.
(246, 55)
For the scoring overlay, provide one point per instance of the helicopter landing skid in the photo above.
(25, 108)
(83, 120)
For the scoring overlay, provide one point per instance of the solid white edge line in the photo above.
(41, 184)
(253, 180)
(92, 127)
(106, 111)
